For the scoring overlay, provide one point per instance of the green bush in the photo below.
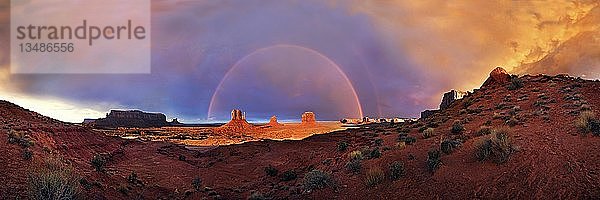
(271, 171)
(407, 139)
(317, 179)
(497, 147)
(379, 142)
(457, 128)
(375, 153)
(98, 162)
(434, 160)
(342, 146)
(374, 177)
(447, 146)
(289, 175)
(354, 165)
(27, 154)
(587, 122)
(133, 179)
(197, 183)
(53, 181)
(396, 170)
(21, 138)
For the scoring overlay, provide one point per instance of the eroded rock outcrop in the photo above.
(309, 118)
(130, 119)
(498, 75)
(237, 124)
(273, 122)
(450, 97)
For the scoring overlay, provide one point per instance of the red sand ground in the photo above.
(553, 160)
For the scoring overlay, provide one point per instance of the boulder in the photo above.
(499, 76)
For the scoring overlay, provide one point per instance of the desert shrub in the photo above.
(484, 130)
(430, 132)
(434, 160)
(512, 122)
(27, 154)
(257, 196)
(53, 181)
(396, 170)
(20, 138)
(515, 83)
(355, 155)
(587, 122)
(375, 153)
(133, 179)
(354, 166)
(289, 175)
(197, 183)
(447, 146)
(401, 145)
(379, 142)
(423, 128)
(342, 146)
(406, 139)
(98, 162)
(123, 190)
(497, 147)
(182, 158)
(374, 177)
(271, 171)
(457, 127)
(85, 184)
(317, 179)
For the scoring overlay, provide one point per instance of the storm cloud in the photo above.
(399, 56)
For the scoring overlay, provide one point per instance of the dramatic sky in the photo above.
(338, 58)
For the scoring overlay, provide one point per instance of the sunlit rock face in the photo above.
(498, 75)
(273, 122)
(308, 118)
(237, 124)
(450, 97)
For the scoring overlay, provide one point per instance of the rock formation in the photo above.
(273, 122)
(237, 124)
(450, 97)
(498, 75)
(130, 119)
(428, 113)
(308, 118)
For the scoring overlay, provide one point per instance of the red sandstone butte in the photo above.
(308, 118)
(498, 75)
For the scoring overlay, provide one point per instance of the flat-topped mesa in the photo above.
(131, 119)
(309, 118)
(498, 76)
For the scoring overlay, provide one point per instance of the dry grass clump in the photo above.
(587, 122)
(53, 180)
(496, 147)
(427, 133)
(374, 177)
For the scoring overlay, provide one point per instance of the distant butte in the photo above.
(308, 118)
(273, 122)
(237, 124)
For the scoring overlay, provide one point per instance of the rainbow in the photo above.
(331, 63)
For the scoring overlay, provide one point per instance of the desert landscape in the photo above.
(516, 137)
(309, 99)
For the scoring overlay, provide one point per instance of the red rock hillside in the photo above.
(518, 139)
